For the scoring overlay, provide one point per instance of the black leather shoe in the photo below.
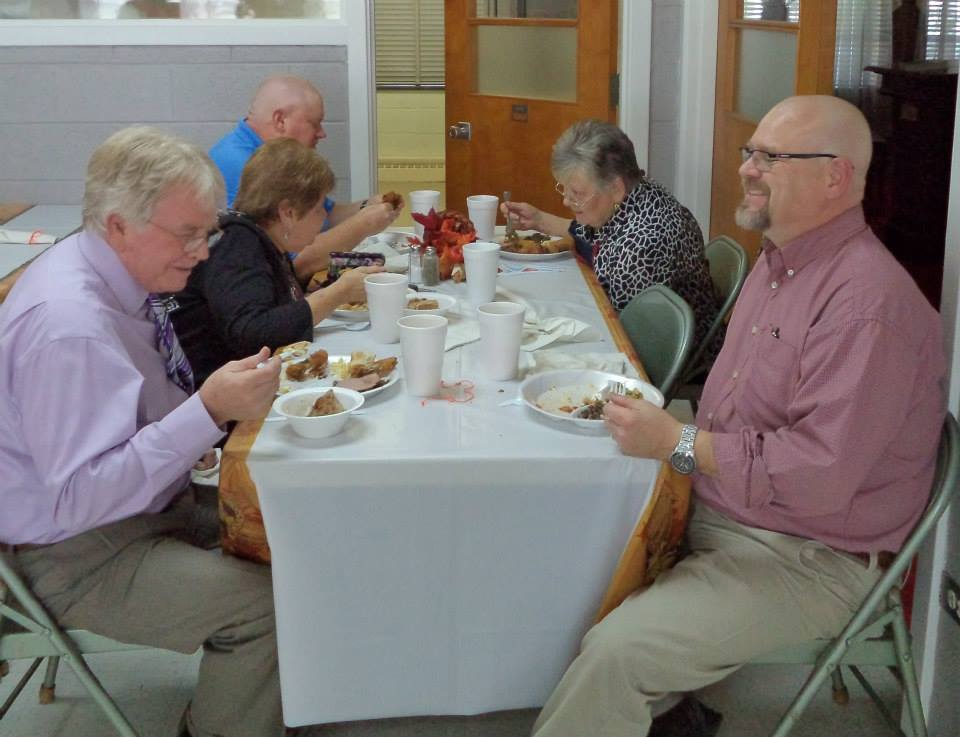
(689, 718)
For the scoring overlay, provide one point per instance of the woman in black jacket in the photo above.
(246, 295)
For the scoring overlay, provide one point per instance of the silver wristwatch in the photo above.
(682, 458)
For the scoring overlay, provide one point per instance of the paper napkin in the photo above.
(29, 237)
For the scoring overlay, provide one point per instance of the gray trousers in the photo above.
(741, 592)
(138, 581)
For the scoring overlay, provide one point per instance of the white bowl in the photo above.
(545, 392)
(294, 406)
(445, 302)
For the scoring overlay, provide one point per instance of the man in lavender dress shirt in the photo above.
(97, 440)
(813, 450)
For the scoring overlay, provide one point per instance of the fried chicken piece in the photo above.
(318, 363)
(394, 199)
(422, 303)
(385, 366)
(298, 371)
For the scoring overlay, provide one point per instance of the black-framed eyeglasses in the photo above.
(764, 160)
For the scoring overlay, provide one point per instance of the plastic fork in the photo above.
(510, 229)
(612, 387)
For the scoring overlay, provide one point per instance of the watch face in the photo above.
(683, 462)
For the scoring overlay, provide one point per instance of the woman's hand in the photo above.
(350, 284)
(525, 215)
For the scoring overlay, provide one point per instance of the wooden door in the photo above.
(759, 63)
(520, 79)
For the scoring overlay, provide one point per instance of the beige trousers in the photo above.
(741, 592)
(136, 581)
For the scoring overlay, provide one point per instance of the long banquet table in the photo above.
(440, 557)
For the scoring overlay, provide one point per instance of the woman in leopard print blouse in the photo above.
(631, 230)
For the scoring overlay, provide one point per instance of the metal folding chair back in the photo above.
(27, 631)
(728, 270)
(660, 325)
(877, 633)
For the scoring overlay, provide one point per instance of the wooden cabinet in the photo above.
(908, 189)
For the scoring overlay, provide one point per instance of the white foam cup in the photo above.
(422, 339)
(501, 328)
(386, 300)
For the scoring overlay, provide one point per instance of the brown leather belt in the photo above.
(885, 558)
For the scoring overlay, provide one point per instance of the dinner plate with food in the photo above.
(429, 303)
(304, 366)
(529, 245)
(352, 312)
(364, 372)
(559, 394)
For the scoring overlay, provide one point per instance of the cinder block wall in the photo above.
(411, 143)
(59, 102)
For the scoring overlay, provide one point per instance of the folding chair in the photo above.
(877, 633)
(659, 323)
(728, 270)
(28, 631)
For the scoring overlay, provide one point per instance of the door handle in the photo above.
(459, 130)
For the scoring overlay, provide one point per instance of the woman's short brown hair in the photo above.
(282, 170)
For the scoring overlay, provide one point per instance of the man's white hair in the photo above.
(135, 167)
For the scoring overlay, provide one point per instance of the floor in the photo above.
(152, 688)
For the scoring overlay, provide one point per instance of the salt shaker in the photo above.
(414, 272)
(430, 267)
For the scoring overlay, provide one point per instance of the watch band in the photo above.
(683, 459)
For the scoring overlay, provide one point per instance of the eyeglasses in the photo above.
(577, 204)
(191, 243)
(764, 160)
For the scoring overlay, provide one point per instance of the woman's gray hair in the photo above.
(135, 167)
(601, 150)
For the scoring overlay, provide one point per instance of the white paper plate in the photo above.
(351, 315)
(545, 393)
(445, 301)
(511, 256)
(391, 380)
(289, 385)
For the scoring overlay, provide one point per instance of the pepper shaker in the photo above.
(430, 267)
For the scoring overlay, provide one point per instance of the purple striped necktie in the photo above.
(177, 365)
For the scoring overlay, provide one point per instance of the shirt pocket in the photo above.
(768, 382)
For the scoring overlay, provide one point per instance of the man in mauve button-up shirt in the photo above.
(97, 439)
(813, 451)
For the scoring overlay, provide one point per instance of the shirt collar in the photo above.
(820, 241)
(130, 295)
(249, 133)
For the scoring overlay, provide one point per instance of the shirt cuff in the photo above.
(191, 429)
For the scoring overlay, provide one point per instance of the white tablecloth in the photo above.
(441, 558)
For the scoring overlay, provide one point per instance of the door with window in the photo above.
(518, 73)
(766, 51)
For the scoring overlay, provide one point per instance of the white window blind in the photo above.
(943, 29)
(753, 10)
(409, 43)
